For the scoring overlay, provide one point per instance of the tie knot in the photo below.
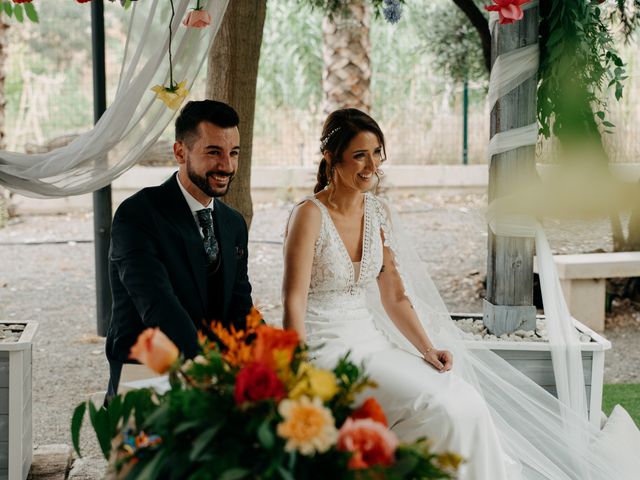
(205, 218)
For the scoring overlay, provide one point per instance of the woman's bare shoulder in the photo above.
(306, 215)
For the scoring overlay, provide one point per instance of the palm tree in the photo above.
(346, 76)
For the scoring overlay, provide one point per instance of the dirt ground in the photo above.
(47, 275)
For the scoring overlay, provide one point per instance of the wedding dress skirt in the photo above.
(418, 400)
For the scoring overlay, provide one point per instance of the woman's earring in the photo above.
(331, 174)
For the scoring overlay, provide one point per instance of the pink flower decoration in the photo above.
(370, 443)
(509, 11)
(197, 19)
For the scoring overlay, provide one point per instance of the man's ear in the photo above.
(179, 152)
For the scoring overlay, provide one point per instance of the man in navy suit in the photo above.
(178, 256)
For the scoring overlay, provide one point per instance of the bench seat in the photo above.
(583, 279)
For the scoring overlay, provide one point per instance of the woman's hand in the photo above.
(441, 360)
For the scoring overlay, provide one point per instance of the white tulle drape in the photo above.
(543, 436)
(135, 119)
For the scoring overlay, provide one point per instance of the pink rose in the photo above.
(154, 349)
(370, 442)
(509, 11)
(197, 19)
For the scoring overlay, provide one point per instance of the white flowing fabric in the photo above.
(135, 119)
(539, 436)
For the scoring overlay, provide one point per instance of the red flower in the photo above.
(508, 10)
(370, 443)
(22, 1)
(370, 409)
(274, 346)
(257, 382)
(83, 1)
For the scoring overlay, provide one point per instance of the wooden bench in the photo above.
(583, 279)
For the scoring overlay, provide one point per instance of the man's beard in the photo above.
(202, 182)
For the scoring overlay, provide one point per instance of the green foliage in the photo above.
(332, 7)
(19, 10)
(445, 33)
(578, 64)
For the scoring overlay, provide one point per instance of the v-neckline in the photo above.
(343, 247)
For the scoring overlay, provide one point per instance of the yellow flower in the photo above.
(308, 426)
(172, 96)
(449, 461)
(314, 383)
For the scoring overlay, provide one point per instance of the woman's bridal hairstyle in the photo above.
(339, 129)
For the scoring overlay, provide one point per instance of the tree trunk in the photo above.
(346, 76)
(231, 78)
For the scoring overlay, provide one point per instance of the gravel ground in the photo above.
(47, 275)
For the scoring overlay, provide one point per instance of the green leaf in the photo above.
(30, 10)
(76, 425)
(152, 469)
(183, 427)
(600, 115)
(265, 435)
(17, 10)
(100, 422)
(285, 474)
(114, 413)
(202, 442)
(234, 474)
(608, 124)
(7, 8)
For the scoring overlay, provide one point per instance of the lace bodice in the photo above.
(333, 271)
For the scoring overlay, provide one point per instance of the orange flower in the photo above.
(237, 351)
(274, 346)
(154, 349)
(370, 409)
(197, 19)
(370, 443)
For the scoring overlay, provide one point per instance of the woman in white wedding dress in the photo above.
(353, 282)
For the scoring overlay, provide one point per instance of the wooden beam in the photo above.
(509, 302)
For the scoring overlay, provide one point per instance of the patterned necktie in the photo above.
(205, 219)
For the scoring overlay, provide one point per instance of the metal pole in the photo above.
(102, 197)
(465, 124)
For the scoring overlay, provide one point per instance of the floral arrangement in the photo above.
(252, 406)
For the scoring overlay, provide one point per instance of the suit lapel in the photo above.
(178, 211)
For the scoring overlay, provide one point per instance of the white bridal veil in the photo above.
(135, 119)
(546, 437)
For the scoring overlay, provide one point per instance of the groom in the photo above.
(178, 256)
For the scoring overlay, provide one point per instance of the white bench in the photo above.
(583, 282)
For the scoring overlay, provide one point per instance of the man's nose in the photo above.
(224, 163)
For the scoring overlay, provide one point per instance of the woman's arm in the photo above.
(399, 308)
(299, 244)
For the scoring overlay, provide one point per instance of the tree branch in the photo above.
(478, 20)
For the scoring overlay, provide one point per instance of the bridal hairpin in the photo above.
(324, 142)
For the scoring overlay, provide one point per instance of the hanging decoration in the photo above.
(197, 18)
(173, 95)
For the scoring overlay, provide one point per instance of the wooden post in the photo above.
(509, 303)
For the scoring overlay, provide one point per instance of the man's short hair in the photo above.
(194, 112)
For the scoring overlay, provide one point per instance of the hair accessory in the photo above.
(324, 142)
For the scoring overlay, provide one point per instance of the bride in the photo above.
(353, 282)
